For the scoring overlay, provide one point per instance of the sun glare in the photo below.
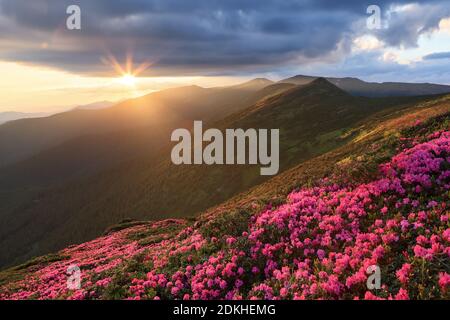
(128, 73)
(128, 80)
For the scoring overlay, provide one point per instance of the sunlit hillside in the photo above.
(381, 198)
(80, 187)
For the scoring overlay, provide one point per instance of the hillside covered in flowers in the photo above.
(316, 243)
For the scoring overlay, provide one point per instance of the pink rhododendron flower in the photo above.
(318, 244)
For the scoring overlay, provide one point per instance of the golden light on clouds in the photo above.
(367, 43)
(444, 25)
(29, 88)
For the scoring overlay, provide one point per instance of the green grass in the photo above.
(318, 131)
(20, 271)
(358, 162)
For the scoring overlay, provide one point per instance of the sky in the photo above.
(44, 66)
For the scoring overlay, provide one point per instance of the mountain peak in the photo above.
(264, 79)
(260, 81)
(358, 87)
(323, 84)
(299, 79)
(257, 83)
(320, 80)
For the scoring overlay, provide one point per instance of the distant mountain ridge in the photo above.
(96, 105)
(359, 87)
(352, 85)
(12, 115)
(167, 108)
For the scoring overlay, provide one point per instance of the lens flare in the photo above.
(127, 74)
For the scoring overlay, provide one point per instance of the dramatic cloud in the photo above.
(204, 36)
(406, 23)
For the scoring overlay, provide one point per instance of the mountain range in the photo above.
(359, 87)
(12, 115)
(67, 177)
(374, 191)
(96, 105)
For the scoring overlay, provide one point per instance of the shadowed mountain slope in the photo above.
(138, 133)
(310, 220)
(313, 119)
(362, 88)
(157, 111)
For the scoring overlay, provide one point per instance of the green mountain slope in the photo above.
(154, 112)
(308, 233)
(362, 88)
(312, 119)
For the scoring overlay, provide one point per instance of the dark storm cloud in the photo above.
(195, 36)
(405, 26)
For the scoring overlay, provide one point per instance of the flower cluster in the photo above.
(320, 244)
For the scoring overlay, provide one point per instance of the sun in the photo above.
(127, 74)
(128, 80)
